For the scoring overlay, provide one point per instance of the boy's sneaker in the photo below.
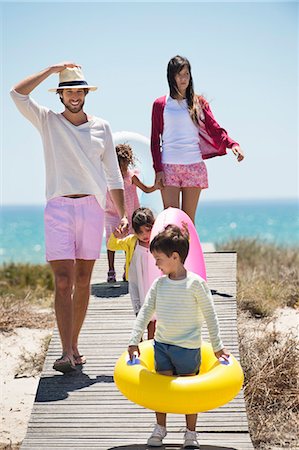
(190, 440)
(157, 436)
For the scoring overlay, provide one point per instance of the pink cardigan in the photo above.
(214, 140)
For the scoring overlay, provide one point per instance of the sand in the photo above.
(17, 394)
(285, 320)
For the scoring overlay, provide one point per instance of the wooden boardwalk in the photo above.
(84, 410)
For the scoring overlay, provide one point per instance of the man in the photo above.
(81, 164)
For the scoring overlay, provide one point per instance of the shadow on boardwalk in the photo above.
(58, 387)
(169, 447)
(107, 290)
(119, 288)
(221, 294)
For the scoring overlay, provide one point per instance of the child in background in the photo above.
(181, 301)
(126, 163)
(136, 247)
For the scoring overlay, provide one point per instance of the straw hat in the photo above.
(72, 77)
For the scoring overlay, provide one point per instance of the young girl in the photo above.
(126, 163)
(184, 128)
(136, 247)
(181, 301)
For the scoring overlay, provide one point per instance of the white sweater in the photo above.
(181, 306)
(79, 159)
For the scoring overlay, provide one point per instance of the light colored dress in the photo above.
(131, 203)
(139, 277)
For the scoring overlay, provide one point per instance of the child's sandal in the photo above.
(111, 278)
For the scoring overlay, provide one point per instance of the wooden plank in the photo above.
(85, 409)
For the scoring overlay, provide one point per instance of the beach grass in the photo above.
(267, 276)
(268, 279)
(271, 366)
(17, 278)
(26, 296)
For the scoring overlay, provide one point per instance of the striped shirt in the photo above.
(181, 307)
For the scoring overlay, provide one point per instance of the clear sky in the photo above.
(244, 59)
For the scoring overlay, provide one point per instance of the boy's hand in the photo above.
(133, 349)
(223, 353)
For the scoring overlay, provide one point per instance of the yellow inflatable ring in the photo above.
(215, 385)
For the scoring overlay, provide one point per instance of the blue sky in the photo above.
(243, 57)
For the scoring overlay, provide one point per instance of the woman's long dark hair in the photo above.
(195, 103)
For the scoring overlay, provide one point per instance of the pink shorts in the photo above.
(73, 228)
(186, 175)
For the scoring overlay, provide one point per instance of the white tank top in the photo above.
(180, 138)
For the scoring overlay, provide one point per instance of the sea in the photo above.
(217, 222)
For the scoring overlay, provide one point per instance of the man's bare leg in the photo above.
(83, 271)
(64, 279)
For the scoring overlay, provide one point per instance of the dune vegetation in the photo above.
(267, 276)
(26, 296)
(267, 280)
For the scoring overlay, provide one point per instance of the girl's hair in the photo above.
(172, 239)
(125, 154)
(195, 102)
(142, 216)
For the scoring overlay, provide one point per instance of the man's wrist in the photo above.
(49, 70)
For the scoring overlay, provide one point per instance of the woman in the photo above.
(184, 133)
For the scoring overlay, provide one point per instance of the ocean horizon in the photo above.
(217, 222)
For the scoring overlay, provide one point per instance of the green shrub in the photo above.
(26, 275)
(25, 284)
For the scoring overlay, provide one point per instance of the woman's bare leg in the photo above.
(171, 196)
(190, 197)
(64, 274)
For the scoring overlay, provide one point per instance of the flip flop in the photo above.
(79, 360)
(64, 365)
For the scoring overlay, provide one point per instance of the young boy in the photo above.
(181, 301)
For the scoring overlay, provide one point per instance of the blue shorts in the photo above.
(180, 360)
